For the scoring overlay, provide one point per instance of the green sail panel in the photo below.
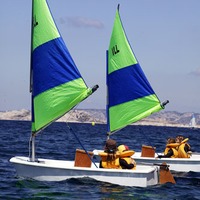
(42, 22)
(119, 42)
(121, 115)
(130, 95)
(57, 101)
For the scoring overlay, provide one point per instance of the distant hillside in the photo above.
(163, 118)
(172, 118)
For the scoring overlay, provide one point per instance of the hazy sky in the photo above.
(164, 35)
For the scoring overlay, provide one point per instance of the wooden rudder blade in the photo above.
(165, 175)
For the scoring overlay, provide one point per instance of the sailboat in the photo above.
(191, 163)
(57, 86)
(131, 98)
(192, 123)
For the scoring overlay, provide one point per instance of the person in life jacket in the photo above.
(184, 149)
(125, 160)
(110, 156)
(171, 149)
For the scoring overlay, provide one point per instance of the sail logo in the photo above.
(115, 50)
(35, 23)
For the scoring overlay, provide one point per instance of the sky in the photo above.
(164, 35)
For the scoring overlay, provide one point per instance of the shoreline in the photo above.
(98, 117)
(94, 123)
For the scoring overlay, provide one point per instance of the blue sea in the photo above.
(58, 142)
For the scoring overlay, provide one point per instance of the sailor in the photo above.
(125, 160)
(171, 149)
(184, 149)
(179, 139)
(110, 156)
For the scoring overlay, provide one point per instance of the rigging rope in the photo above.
(81, 144)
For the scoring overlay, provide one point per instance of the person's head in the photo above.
(111, 146)
(179, 138)
(122, 148)
(171, 140)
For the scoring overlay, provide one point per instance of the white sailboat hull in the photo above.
(59, 170)
(176, 164)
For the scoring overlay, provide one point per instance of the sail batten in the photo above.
(57, 85)
(130, 95)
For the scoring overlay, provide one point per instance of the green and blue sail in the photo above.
(130, 95)
(56, 84)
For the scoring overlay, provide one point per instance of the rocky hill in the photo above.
(163, 118)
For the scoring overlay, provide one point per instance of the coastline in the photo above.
(171, 119)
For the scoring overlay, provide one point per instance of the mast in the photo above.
(32, 148)
(107, 98)
(32, 142)
(31, 49)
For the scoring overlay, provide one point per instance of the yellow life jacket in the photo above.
(172, 146)
(185, 140)
(129, 161)
(181, 150)
(109, 164)
(126, 155)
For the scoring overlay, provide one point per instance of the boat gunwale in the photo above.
(46, 163)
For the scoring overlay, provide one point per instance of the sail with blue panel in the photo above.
(56, 83)
(130, 95)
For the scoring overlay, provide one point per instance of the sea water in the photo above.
(58, 142)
